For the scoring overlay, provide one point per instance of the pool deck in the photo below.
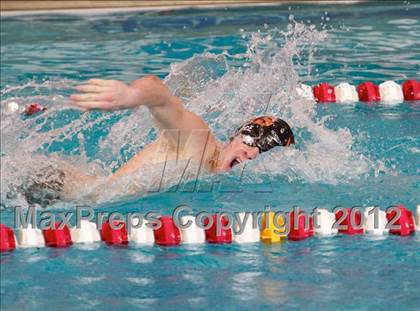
(66, 5)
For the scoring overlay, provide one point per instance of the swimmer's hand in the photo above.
(104, 95)
(115, 95)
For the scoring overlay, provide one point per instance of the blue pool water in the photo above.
(348, 155)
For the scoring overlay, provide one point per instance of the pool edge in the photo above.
(7, 11)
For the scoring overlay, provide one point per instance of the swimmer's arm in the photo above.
(149, 91)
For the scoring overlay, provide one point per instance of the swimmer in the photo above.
(186, 134)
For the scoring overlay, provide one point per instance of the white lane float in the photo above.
(323, 223)
(86, 233)
(346, 93)
(142, 235)
(193, 234)
(391, 92)
(11, 108)
(30, 237)
(418, 218)
(249, 233)
(375, 221)
(305, 91)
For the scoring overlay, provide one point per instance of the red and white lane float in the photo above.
(168, 234)
(375, 221)
(250, 233)
(33, 108)
(324, 222)
(324, 93)
(346, 93)
(349, 221)
(391, 92)
(273, 230)
(11, 108)
(192, 234)
(57, 236)
(368, 92)
(300, 228)
(30, 237)
(26, 110)
(7, 239)
(418, 218)
(403, 219)
(218, 223)
(411, 90)
(388, 92)
(142, 234)
(85, 233)
(305, 91)
(115, 234)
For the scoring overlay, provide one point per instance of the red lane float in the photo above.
(212, 236)
(117, 236)
(348, 222)
(7, 239)
(368, 92)
(56, 237)
(33, 108)
(405, 221)
(411, 90)
(304, 229)
(168, 234)
(324, 93)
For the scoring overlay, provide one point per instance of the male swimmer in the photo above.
(186, 134)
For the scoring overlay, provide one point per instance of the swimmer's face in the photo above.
(234, 153)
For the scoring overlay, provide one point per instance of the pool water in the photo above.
(346, 154)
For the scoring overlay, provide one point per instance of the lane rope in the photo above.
(352, 222)
(388, 92)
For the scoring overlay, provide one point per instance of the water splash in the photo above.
(274, 64)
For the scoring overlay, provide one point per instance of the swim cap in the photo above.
(266, 132)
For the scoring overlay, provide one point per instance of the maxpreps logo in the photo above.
(204, 220)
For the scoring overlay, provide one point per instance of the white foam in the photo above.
(141, 258)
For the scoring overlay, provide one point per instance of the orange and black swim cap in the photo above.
(266, 132)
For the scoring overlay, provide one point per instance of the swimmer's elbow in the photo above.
(155, 92)
(149, 80)
(149, 83)
(152, 79)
